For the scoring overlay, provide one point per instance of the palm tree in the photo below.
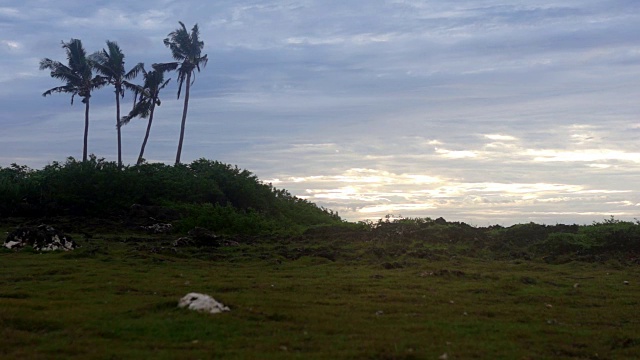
(149, 99)
(78, 79)
(110, 64)
(186, 49)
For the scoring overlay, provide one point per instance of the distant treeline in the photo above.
(204, 193)
(407, 238)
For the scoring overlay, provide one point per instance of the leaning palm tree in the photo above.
(149, 99)
(186, 49)
(78, 78)
(110, 64)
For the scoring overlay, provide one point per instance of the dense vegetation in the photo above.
(204, 193)
(598, 242)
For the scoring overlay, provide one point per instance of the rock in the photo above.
(158, 228)
(184, 241)
(625, 282)
(204, 237)
(199, 237)
(202, 302)
(41, 238)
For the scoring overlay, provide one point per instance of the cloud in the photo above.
(486, 111)
(498, 137)
(584, 156)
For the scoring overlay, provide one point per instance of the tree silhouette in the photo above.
(78, 78)
(149, 99)
(186, 49)
(110, 64)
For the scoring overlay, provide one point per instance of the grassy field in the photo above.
(116, 298)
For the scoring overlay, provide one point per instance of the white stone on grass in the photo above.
(202, 302)
(12, 244)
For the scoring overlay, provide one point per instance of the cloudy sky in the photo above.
(483, 111)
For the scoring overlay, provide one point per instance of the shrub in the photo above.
(214, 195)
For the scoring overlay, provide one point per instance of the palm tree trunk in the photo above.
(118, 128)
(86, 129)
(184, 116)
(146, 136)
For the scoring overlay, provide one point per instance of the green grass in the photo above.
(112, 299)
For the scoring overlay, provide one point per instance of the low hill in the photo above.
(204, 193)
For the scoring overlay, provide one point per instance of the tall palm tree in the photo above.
(186, 49)
(149, 98)
(78, 78)
(110, 64)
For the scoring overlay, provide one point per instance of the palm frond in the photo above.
(59, 89)
(134, 72)
(165, 67)
(141, 109)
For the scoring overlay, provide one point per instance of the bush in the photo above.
(215, 195)
(564, 243)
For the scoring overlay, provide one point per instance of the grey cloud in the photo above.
(312, 90)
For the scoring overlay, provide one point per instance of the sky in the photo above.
(482, 111)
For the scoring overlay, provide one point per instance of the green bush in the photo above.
(614, 236)
(564, 243)
(212, 194)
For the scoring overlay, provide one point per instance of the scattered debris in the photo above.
(443, 356)
(576, 285)
(159, 228)
(625, 282)
(379, 313)
(549, 306)
(202, 302)
(184, 241)
(41, 238)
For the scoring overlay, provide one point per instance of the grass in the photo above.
(310, 299)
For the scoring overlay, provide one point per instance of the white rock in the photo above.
(202, 302)
(11, 244)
